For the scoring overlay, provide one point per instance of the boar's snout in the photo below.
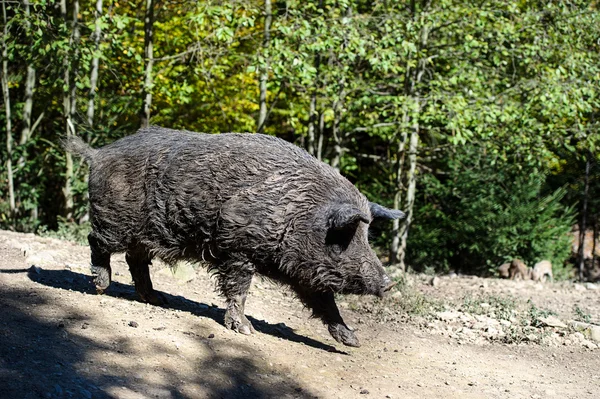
(386, 285)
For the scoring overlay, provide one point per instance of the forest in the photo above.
(481, 120)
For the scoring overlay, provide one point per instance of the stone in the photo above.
(595, 333)
(552, 321)
(448, 315)
(591, 286)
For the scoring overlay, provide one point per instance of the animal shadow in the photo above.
(69, 280)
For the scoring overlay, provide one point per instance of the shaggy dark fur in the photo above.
(244, 203)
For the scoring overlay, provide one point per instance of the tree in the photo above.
(7, 110)
(95, 63)
(148, 63)
(264, 69)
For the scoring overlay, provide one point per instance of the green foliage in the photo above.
(68, 231)
(503, 308)
(581, 315)
(480, 214)
(534, 314)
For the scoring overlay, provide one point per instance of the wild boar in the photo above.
(542, 270)
(519, 270)
(503, 270)
(244, 204)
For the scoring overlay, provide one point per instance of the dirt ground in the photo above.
(58, 339)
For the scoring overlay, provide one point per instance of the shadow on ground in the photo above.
(69, 280)
(43, 354)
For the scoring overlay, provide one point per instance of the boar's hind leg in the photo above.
(138, 259)
(100, 264)
(234, 278)
(323, 306)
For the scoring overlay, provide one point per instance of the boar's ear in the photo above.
(343, 215)
(381, 212)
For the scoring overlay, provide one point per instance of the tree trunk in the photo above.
(337, 136)
(69, 102)
(95, 66)
(594, 240)
(312, 121)
(264, 73)
(9, 137)
(395, 247)
(410, 193)
(582, 227)
(148, 64)
(321, 136)
(29, 88)
(413, 81)
(312, 111)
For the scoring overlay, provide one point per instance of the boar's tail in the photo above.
(77, 146)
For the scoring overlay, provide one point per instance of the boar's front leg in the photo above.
(234, 277)
(138, 259)
(100, 264)
(323, 306)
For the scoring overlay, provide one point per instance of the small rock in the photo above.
(133, 324)
(505, 323)
(211, 335)
(591, 286)
(595, 333)
(364, 392)
(472, 384)
(578, 287)
(589, 344)
(552, 321)
(435, 281)
(84, 326)
(447, 315)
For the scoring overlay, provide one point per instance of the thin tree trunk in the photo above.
(413, 81)
(95, 66)
(583, 226)
(69, 101)
(148, 64)
(337, 136)
(264, 73)
(29, 88)
(9, 137)
(312, 111)
(312, 119)
(410, 193)
(395, 247)
(595, 239)
(321, 136)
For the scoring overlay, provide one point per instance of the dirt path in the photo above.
(58, 339)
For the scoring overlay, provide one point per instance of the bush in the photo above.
(481, 214)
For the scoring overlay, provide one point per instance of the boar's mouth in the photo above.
(387, 288)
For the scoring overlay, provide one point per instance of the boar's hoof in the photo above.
(238, 323)
(101, 279)
(343, 334)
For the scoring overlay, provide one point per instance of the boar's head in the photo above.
(339, 256)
